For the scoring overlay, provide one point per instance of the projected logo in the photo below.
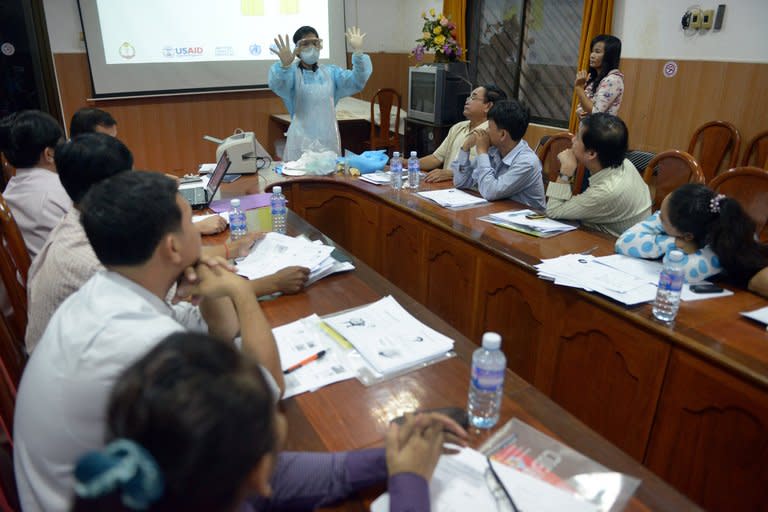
(224, 51)
(255, 49)
(168, 52)
(189, 51)
(127, 51)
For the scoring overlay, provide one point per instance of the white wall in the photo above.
(652, 30)
(391, 25)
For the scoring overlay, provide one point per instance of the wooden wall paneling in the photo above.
(451, 272)
(403, 252)
(348, 218)
(662, 113)
(512, 302)
(389, 70)
(710, 439)
(605, 371)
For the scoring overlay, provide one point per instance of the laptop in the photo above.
(201, 196)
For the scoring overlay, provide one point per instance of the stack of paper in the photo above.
(463, 482)
(388, 337)
(303, 339)
(759, 315)
(519, 221)
(377, 178)
(275, 252)
(627, 280)
(452, 198)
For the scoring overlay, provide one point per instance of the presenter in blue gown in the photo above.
(310, 90)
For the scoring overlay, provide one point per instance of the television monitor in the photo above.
(437, 94)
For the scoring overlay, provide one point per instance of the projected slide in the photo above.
(176, 31)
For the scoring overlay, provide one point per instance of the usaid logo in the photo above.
(191, 51)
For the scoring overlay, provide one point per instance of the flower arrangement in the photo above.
(438, 35)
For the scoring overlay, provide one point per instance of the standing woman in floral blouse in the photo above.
(601, 89)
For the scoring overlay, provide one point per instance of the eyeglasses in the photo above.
(306, 43)
(477, 97)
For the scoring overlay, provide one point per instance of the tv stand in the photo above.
(423, 137)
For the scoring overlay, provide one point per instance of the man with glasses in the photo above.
(310, 91)
(476, 109)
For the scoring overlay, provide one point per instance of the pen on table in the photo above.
(590, 250)
(304, 362)
(501, 484)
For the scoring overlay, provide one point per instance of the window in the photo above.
(530, 49)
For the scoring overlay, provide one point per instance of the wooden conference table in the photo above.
(348, 415)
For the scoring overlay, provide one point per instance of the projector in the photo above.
(244, 151)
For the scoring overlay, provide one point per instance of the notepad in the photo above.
(452, 198)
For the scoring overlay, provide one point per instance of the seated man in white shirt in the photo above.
(35, 195)
(140, 228)
(476, 109)
(505, 167)
(67, 260)
(617, 197)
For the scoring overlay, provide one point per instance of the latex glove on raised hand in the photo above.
(355, 39)
(283, 50)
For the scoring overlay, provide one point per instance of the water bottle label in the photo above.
(487, 380)
(672, 282)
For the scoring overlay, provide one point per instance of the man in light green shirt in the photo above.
(617, 197)
(476, 109)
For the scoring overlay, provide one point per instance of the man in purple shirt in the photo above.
(162, 455)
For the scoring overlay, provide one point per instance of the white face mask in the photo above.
(310, 56)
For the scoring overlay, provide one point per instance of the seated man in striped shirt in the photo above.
(617, 197)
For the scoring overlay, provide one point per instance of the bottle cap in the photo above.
(395, 154)
(676, 256)
(234, 203)
(277, 189)
(413, 153)
(491, 340)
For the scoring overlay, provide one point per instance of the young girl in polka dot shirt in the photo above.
(712, 230)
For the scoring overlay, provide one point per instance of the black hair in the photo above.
(205, 413)
(89, 158)
(28, 135)
(512, 116)
(607, 135)
(302, 32)
(87, 119)
(127, 215)
(493, 93)
(726, 228)
(611, 57)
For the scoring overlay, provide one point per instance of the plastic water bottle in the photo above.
(670, 286)
(396, 171)
(486, 386)
(238, 224)
(413, 171)
(279, 210)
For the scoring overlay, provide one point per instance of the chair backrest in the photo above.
(640, 159)
(749, 186)
(14, 267)
(711, 142)
(13, 355)
(668, 171)
(756, 153)
(8, 171)
(550, 165)
(382, 135)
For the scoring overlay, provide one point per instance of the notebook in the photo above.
(201, 196)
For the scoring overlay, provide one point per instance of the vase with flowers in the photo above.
(439, 36)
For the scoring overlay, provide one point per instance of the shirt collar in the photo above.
(515, 151)
(123, 282)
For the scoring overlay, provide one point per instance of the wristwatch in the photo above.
(568, 178)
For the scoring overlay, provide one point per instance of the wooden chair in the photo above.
(384, 135)
(749, 186)
(550, 165)
(14, 266)
(757, 151)
(714, 140)
(669, 170)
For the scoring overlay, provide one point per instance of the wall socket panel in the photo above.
(707, 18)
(719, 16)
